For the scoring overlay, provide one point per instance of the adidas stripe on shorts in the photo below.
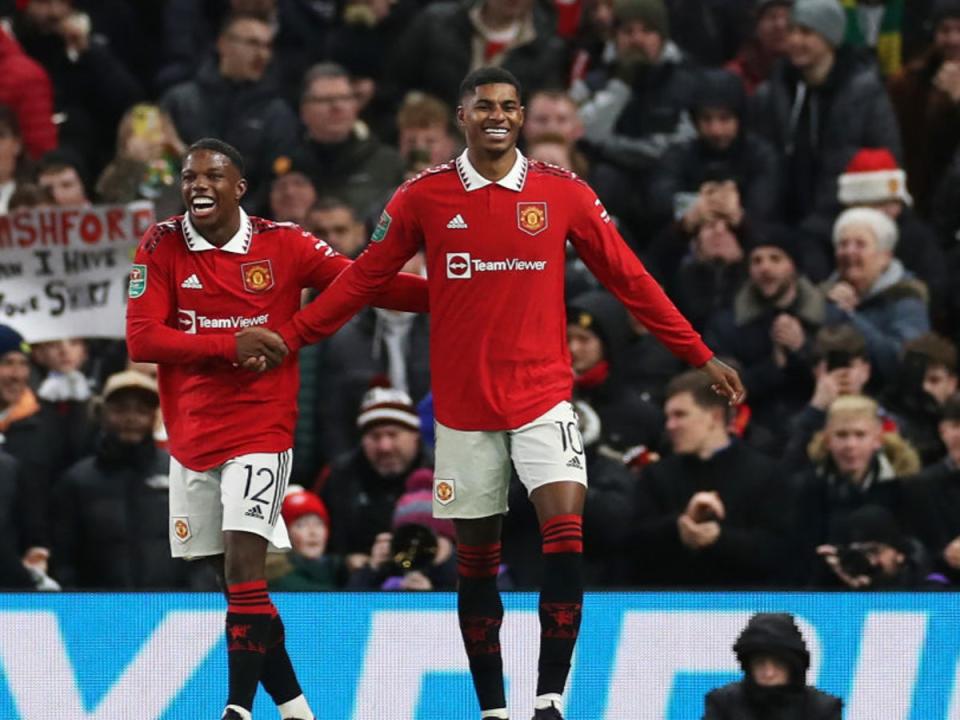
(472, 475)
(245, 493)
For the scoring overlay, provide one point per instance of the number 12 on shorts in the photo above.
(258, 496)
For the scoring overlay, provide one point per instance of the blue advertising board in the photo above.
(398, 655)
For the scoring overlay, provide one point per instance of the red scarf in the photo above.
(595, 376)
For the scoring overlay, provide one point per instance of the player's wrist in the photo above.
(291, 338)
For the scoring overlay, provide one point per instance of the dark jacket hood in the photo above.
(775, 634)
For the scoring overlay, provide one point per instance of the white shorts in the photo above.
(245, 493)
(472, 475)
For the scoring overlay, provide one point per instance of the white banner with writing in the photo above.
(63, 271)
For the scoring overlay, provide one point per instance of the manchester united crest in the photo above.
(443, 491)
(257, 276)
(181, 529)
(532, 217)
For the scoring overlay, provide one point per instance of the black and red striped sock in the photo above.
(249, 616)
(561, 600)
(278, 677)
(481, 613)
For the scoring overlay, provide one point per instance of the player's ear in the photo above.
(523, 116)
(460, 116)
(241, 189)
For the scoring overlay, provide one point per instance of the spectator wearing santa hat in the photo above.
(362, 486)
(926, 98)
(874, 179)
(307, 566)
(872, 290)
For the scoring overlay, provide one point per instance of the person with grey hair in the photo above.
(338, 151)
(820, 105)
(872, 290)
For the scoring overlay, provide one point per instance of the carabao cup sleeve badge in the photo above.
(138, 281)
(383, 225)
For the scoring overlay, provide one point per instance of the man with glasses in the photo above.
(232, 98)
(339, 152)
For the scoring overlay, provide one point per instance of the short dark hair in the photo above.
(233, 18)
(700, 386)
(322, 71)
(488, 76)
(936, 349)
(845, 338)
(219, 146)
(330, 202)
(951, 408)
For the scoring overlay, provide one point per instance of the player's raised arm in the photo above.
(604, 251)
(151, 311)
(370, 279)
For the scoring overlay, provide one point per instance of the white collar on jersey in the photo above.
(472, 180)
(238, 244)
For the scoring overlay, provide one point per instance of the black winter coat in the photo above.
(749, 549)
(850, 111)
(112, 529)
(361, 502)
(732, 702)
(434, 54)
(251, 116)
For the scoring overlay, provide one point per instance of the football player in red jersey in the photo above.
(495, 226)
(205, 290)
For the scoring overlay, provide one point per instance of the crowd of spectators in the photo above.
(789, 170)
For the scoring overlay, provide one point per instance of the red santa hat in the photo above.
(873, 176)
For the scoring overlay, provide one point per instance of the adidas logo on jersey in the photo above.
(575, 463)
(457, 223)
(192, 283)
(254, 512)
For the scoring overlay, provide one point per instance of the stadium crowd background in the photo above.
(788, 171)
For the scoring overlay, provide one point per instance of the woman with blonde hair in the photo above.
(147, 163)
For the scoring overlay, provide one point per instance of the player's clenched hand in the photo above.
(726, 380)
(264, 346)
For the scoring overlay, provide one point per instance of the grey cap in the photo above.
(825, 17)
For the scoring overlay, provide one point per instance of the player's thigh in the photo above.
(471, 475)
(549, 449)
(252, 487)
(195, 512)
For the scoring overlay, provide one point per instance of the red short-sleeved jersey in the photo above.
(188, 298)
(495, 266)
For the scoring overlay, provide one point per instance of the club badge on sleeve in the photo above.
(532, 217)
(257, 276)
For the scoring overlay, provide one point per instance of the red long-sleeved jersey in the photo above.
(495, 265)
(188, 299)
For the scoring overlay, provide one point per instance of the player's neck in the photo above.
(492, 167)
(220, 236)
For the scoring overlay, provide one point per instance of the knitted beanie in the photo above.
(824, 17)
(12, 341)
(652, 13)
